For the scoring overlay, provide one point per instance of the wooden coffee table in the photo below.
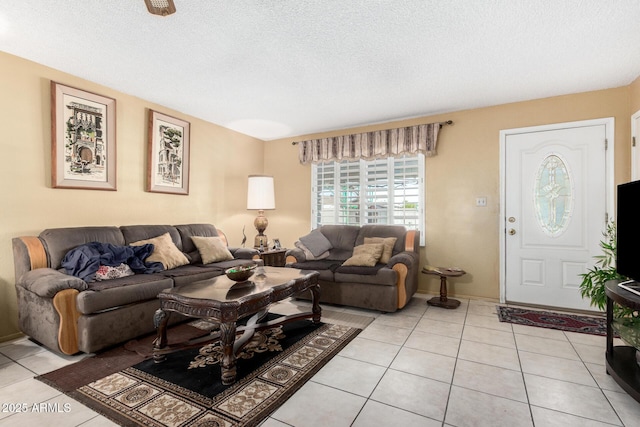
(221, 300)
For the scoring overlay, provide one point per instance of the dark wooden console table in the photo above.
(273, 258)
(622, 364)
(221, 300)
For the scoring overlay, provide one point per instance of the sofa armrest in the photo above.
(407, 258)
(406, 266)
(47, 282)
(295, 255)
(244, 253)
(28, 254)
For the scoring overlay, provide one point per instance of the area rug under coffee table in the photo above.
(547, 319)
(186, 389)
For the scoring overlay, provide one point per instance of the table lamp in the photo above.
(260, 196)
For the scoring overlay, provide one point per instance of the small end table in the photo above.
(443, 273)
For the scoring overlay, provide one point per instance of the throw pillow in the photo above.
(388, 243)
(366, 255)
(164, 251)
(316, 242)
(307, 253)
(106, 272)
(211, 249)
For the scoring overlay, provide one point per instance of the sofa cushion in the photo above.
(316, 242)
(109, 294)
(325, 267)
(342, 238)
(135, 233)
(383, 277)
(387, 242)
(357, 269)
(59, 241)
(366, 255)
(191, 273)
(164, 251)
(323, 264)
(106, 272)
(223, 265)
(211, 249)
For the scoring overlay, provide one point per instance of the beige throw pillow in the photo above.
(366, 255)
(212, 249)
(388, 242)
(164, 251)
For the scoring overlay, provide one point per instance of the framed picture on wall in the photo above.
(83, 139)
(168, 155)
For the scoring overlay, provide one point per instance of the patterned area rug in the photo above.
(186, 390)
(547, 319)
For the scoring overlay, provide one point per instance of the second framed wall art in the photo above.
(168, 154)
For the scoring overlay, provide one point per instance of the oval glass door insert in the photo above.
(553, 195)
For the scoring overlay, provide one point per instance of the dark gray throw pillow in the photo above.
(316, 242)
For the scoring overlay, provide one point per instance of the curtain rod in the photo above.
(445, 123)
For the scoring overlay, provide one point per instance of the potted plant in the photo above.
(593, 281)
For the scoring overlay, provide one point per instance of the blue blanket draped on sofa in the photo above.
(84, 260)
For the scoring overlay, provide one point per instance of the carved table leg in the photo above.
(443, 288)
(160, 319)
(227, 340)
(443, 300)
(315, 299)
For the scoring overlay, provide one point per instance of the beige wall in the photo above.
(29, 204)
(467, 166)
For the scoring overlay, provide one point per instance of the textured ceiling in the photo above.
(279, 68)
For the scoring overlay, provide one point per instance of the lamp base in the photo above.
(260, 238)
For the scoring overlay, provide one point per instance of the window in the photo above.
(382, 191)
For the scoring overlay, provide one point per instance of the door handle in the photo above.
(512, 231)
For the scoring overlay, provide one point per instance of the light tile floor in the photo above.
(422, 366)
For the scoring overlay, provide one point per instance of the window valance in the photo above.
(372, 145)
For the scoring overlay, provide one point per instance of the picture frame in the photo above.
(83, 139)
(168, 154)
(276, 244)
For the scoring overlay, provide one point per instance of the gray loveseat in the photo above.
(68, 314)
(387, 285)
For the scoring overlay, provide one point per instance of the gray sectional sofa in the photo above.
(69, 314)
(350, 273)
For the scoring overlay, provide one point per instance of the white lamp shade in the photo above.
(260, 193)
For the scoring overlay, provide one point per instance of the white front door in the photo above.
(555, 208)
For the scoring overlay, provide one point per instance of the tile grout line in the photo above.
(594, 379)
(455, 364)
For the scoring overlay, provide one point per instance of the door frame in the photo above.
(608, 122)
(635, 151)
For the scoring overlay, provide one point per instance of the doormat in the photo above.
(186, 389)
(551, 320)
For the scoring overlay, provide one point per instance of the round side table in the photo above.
(443, 273)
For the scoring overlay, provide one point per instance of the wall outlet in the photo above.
(481, 202)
